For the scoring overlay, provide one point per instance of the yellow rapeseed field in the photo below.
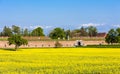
(60, 61)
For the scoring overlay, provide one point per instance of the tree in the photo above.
(112, 37)
(118, 31)
(17, 40)
(16, 29)
(22, 32)
(57, 33)
(67, 34)
(7, 31)
(83, 31)
(92, 31)
(26, 32)
(75, 33)
(37, 32)
(79, 32)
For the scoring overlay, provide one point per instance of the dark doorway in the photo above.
(79, 43)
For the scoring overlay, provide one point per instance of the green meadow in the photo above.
(60, 61)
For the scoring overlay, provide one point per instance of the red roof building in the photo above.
(101, 34)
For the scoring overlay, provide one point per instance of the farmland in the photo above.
(60, 61)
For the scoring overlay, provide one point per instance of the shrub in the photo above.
(103, 46)
(58, 45)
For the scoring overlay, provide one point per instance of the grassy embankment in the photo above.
(48, 39)
(60, 60)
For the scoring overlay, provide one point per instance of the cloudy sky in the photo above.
(67, 14)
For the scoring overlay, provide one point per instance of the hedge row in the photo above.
(101, 46)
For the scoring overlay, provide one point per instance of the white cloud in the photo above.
(35, 26)
(91, 24)
(118, 25)
(47, 27)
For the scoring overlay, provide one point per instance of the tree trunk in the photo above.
(16, 47)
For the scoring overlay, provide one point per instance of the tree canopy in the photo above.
(16, 29)
(25, 32)
(92, 31)
(37, 32)
(57, 33)
(112, 37)
(7, 31)
(83, 31)
(17, 40)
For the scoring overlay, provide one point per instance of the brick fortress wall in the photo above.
(4, 44)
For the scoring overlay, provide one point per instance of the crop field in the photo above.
(60, 61)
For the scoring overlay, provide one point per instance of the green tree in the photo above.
(57, 33)
(37, 32)
(17, 40)
(118, 31)
(6, 31)
(22, 32)
(26, 32)
(67, 34)
(75, 33)
(79, 32)
(83, 31)
(16, 29)
(112, 37)
(92, 31)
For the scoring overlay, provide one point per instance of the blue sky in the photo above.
(67, 14)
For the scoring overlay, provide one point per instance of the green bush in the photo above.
(103, 46)
(58, 45)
